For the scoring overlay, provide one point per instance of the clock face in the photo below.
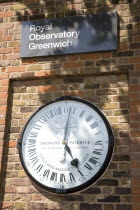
(66, 145)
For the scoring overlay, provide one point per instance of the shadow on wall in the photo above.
(56, 9)
(98, 32)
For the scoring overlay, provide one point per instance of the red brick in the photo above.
(27, 61)
(7, 205)
(73, 64)
(135, 102)
(10, 189)
(134, 117)
(135, 181)
(136, 189)
(1, 32)
(134, 73)
(135, 133)
(124, 133)
(13, 144)
(11, 56)
(48, 88)
(7, 25)
(134, 60)
(123, 47)
(45, 73)
(136, 198)
(137, 67)
(4, 89)
(106, 55)
(5, 38)
(137, 38)
(134, 140)
(134, 32)
(73, 58)
(28, 74)
(134, 110)
(5, 50)
(134, 95)
(134, 88)
(21, 182)
(75, 6)
(135, 164)
(3, 101)
(135, 125)
(74, 93)
(6, 14)
(16, 49)
(122, 141)
(5, 82)
(90, 56)
(2, 121)
(136, 207)
(16, 68)
(3, 95)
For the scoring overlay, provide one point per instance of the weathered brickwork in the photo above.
(108, 79)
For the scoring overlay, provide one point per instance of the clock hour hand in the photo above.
(75, 161)
(68, 150)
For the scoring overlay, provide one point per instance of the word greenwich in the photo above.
(69, 35)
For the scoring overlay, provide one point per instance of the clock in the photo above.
(66, 145)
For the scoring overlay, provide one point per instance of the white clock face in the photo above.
(66, 145)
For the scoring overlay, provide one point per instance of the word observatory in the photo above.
(59, 39)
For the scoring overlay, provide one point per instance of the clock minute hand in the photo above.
(68, 150)
(67, 126)
(65, 135)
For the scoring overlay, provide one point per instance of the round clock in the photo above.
(66, 145)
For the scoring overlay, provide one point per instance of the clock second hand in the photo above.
(75, 161)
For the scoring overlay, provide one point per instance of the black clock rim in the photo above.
(104, 166)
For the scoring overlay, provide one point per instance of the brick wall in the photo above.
(108, 79)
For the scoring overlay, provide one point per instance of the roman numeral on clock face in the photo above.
(32, 152)
(97, 152)
(82, 113)
(94, 125)
(89, 118)
(50, 114)
(39, 168)
(32, 143)
(71, 177)
(98, 143)
(46, 173)
(33, 134)
(80, 173)
(88, 166)
(62, 178)
(43, 120)
(37, 127)
(53, 177)
(93, 160)
(34, 160)
(57, 111)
